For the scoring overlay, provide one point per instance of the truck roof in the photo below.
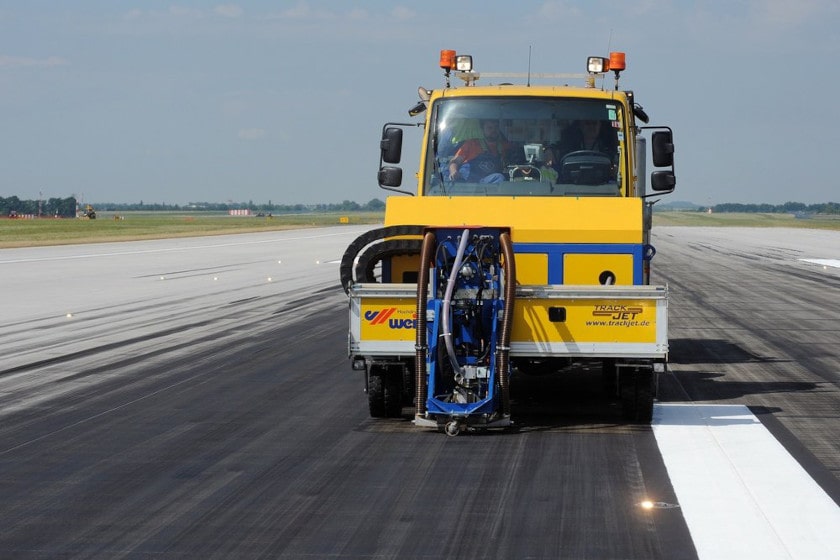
(516, 90)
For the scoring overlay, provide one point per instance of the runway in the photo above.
(193, 399)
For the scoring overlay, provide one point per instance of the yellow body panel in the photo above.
(404, 268)
(586, 321)
(531, 268)
(530, 219)
(587, 269)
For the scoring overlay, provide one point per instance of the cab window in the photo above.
(529, 146)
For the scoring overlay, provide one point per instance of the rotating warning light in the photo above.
(617, 62)
(447, 59)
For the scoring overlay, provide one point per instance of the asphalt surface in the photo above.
(750, 322)
(193, 399)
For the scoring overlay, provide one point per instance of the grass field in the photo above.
(134, 226)
(744, 220)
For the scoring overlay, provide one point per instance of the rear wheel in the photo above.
(636, 385)
(408, 381)
(385, 391)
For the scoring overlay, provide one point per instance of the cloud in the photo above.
(251, 134)
(357, 14)
(228, 10)
(26, 62)
(557, 10)
(783, 13)
(181, 11)
(302, 10)
(173, 12)
(402, 13)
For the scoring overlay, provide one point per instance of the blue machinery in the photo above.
(465, 295)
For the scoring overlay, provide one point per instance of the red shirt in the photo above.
(474, 147)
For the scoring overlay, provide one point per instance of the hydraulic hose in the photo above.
(374, 254)
(447, 301)
(349, 272)
(421, 346)
(503, 348)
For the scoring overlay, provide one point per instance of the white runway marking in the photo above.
(742, 494)
(823, 262)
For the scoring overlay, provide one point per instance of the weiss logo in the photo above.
(384, 316)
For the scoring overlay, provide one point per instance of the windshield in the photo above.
(525, 146)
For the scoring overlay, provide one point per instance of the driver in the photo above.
(481, 160)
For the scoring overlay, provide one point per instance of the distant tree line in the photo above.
(67, 207)
(60, 207)
(786, 208)
(374, 205)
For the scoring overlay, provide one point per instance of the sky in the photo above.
(284, 101)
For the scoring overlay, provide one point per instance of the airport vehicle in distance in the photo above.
(525, 248)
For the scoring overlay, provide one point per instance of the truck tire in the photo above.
(636, 385)
(408, 392)
(385, 391)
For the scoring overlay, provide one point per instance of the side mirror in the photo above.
(390, 176)
(663, 181)
(391, 144)
(662, 145)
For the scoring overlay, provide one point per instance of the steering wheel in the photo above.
(586, 167)
(586, 153)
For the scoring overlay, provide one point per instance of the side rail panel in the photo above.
(602, 321)
(382, 319)
(555, 320)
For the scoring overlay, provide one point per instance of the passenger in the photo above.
(481, 160)
(547, 173)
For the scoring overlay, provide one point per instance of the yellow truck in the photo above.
(525, 247)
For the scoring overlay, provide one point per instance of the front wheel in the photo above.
(384, 392)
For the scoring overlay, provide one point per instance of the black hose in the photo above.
(346, 269)
(376, 253)
(421, 347)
